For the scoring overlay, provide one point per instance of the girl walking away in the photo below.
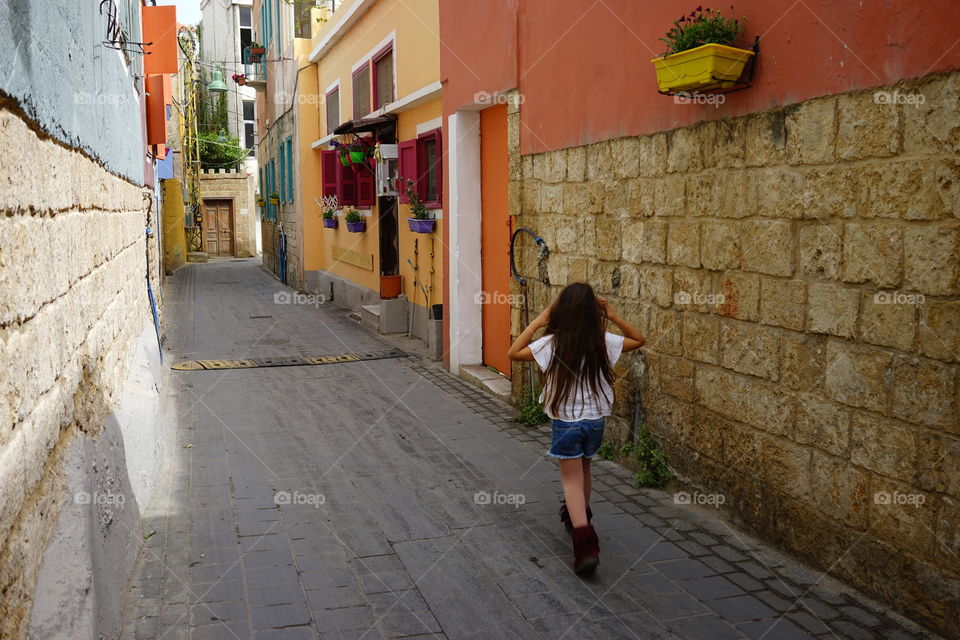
(576, 355)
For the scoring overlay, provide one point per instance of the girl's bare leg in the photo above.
(587, 480)
(572, 480)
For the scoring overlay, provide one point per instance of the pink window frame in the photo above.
(374, 93)
(422, 167)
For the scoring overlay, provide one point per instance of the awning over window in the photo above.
(365, 125)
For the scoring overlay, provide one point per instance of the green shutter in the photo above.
(283, 183)
(290, 168)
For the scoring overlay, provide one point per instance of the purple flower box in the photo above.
(330, 223)
(357, 227)
(421, 226)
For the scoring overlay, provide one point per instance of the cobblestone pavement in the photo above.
(389, 499)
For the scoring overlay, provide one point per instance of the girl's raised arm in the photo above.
(632, 339)
(520, 349)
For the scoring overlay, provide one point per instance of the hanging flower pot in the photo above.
(709, 65)
(357, 157)
(419, 225)
(700, 54)
(355, 222)
(344, 158)
(256, 49)
(274, 198)
(330, 223)
(261, 202)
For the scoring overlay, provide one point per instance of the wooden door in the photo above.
(218, 227)
(495, 238)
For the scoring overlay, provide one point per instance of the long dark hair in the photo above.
(580, 362)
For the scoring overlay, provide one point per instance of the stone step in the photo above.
(483, 377)
(370, 316)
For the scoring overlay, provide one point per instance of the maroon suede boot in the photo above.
(565, 516)
(586, 549)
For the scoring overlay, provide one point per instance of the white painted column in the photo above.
(464, 275)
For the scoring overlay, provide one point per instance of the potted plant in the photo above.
(421, 221)
(275, 197)
(700, 53)
(260, 201)
(329, 205)
(355, 222)
(257, 49)
(240, 78)
(357, 153)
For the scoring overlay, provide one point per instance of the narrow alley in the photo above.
(387, 498)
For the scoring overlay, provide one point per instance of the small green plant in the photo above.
(351, 215)
(606, 451)
(417, 207)
(531, 411)
(699, 27)
(652, 469)
(627, 449)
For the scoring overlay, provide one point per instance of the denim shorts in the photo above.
(577, 439)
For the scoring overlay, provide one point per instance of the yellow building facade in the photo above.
(371, 82)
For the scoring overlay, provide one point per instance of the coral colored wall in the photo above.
(585, 75)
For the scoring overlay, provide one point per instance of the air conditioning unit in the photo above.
(388, 170)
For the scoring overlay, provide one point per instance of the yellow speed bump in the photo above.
(285, 361)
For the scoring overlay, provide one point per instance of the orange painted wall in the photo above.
(584, 69)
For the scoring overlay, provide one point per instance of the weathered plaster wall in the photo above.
(797, 273)
(89, 98)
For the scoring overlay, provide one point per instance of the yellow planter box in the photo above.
(701, 67)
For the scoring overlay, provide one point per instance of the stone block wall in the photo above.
(797, 273)
(238, 187)
(73, 301)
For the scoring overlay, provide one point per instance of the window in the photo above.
(361, 91)
(383, 78)
(249, 126)
(303, 25)
(272, 186)
(278, 25)
(289, 169)
(283, 181)
(420, 160)
(263, 187)
(352, 186)
(430, 161)
(332, 103)
(246, 26)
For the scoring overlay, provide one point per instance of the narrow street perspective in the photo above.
(370, 319)
(387, 498)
